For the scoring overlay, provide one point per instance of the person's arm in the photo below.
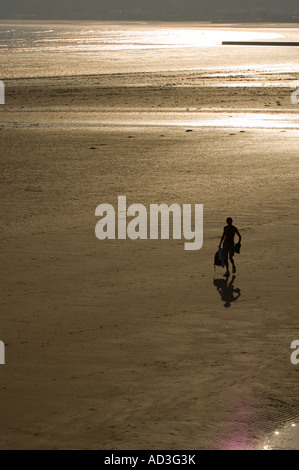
(238, 233)
(222, 238)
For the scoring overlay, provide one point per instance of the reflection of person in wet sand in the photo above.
(227, 291)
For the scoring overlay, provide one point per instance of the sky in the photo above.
(197, 10)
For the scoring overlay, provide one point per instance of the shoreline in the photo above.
(148, 91)
(185, 78)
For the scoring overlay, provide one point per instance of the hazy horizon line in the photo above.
(161, 20)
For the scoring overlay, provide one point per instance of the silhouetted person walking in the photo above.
(228, 239)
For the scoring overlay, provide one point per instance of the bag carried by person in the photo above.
(219, 258)
(237, 247)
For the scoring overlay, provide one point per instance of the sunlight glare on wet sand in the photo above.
(203, 119)
(284, 439)
(133, 118)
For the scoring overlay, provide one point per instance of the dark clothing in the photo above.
(228, 248)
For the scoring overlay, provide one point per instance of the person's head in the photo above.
(229, 220)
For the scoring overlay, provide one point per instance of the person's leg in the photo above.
(231, 258)
(226, 263)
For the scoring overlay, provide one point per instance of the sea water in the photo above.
(47, 49)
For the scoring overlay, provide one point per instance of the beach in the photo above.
(140, 344)
(122, 344)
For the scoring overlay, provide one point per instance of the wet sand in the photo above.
(140, 344)
(286, 438)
